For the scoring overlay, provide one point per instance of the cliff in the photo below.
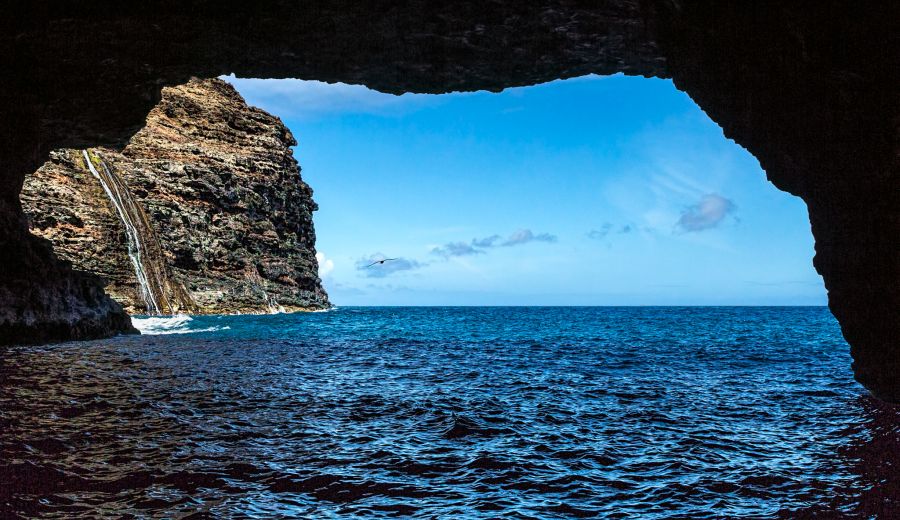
(204, 210)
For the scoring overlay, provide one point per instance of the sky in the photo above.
(590, 191)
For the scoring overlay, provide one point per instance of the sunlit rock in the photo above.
(203, 212)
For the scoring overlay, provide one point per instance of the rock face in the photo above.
(204, 210)
(810, 88)
(46, 300)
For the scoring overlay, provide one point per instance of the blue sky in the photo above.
(591, 191)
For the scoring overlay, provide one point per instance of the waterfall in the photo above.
(272, 305)
(269, 302)
(129, 214)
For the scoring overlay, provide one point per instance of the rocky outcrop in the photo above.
(204, 210)
(810, 88)
(43, 299)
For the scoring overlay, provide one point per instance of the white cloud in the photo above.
(290, 98)
(707, 213)
(326, 265)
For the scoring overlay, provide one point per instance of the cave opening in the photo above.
(819, 115)
(432, 413)
(609, 190)
(655, 200)
(598, 190)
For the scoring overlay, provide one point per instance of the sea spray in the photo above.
(176, 324)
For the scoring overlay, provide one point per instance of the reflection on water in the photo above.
(871, 455)
(448, 413)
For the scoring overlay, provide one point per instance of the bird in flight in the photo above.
(381, 261)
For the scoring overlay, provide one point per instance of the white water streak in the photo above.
(177, 324)
(132, 235)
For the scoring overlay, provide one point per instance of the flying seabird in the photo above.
(381, 261)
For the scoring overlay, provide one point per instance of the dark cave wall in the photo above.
(814, 94)
(810, 88)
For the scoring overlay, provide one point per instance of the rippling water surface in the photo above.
(451, 413)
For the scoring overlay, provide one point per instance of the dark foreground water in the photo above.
(451, 413)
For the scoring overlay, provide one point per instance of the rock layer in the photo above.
(222, 221)
(810, 88)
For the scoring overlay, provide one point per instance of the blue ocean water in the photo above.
(724, 412)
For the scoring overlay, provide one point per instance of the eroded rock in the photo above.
(223, 220)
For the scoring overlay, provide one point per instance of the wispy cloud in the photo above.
(490, 241)
(785, 283)
(524, 236)
(343, 289)
(600, 234)
(456, 249)
(708, 213)
(607, 228)
(300, 98)
(388, 268)
(480, 246)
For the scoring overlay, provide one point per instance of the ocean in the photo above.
(451, 412)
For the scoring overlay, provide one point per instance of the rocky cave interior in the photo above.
(810, 89)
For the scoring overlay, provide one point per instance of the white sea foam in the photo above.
(177, 324)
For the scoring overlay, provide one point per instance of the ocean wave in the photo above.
(177, 324)
(452, 412)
